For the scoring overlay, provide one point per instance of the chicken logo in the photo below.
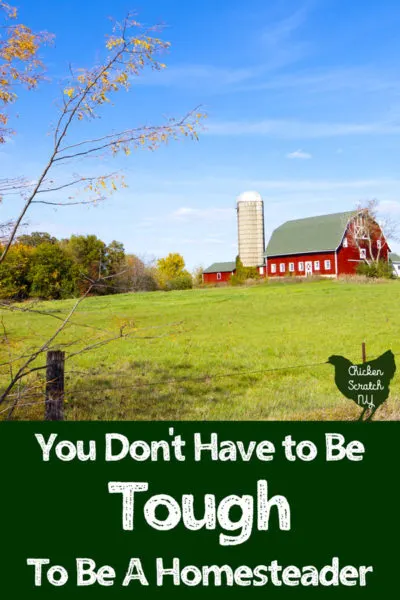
(367, 384)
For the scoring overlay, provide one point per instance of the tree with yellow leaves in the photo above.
(19, 62)
(129, 50)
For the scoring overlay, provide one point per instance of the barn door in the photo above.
(308, 268)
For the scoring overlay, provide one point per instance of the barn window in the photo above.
(363, 253)
(291, 267)
(301, 266)
(327, 265)
(273, 268)
(345, 243)
(261, 270)
(219, 276)
(360, 227)
(282, 267)
(379, 244)
(316, 265)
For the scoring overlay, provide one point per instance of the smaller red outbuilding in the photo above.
(219, 272)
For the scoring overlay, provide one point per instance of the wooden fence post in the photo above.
(364, 352)
(54, 407)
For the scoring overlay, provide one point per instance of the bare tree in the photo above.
(370, 234)
(130, 49)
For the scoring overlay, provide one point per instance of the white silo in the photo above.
(251, 240)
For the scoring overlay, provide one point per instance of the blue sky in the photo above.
(303, 103)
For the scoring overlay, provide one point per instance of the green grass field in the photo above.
(211, 353)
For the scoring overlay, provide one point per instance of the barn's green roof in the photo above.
(394, 257)
(221, 267)
(314, 234)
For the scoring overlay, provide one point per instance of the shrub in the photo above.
(181, 282)
(242, 273)
(146, 283)
(381, 269)
(251, 273)
(252, 281)
(235, 280)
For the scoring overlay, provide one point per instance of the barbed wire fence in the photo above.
(50, 390)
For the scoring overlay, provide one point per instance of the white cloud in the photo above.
(299, 154)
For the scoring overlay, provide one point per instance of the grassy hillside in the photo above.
(221, 347)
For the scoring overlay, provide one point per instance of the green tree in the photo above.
(114, 265)
(240, 274)
(36, 238)
(114, 258)
(89, 254)
(52, 273)
(14, 283)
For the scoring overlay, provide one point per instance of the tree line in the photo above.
(41, 266)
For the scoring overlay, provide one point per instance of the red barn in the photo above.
(218, 272)
(328, 245)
